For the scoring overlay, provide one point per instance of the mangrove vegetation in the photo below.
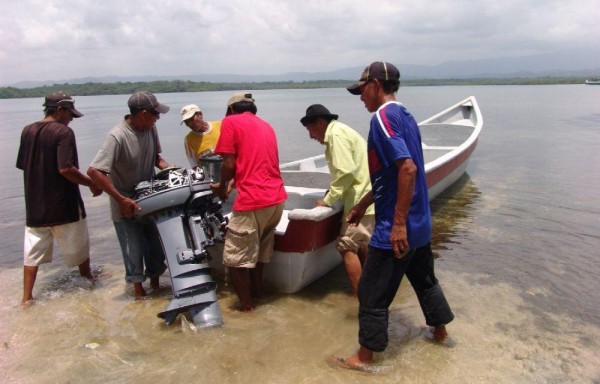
(121, 88)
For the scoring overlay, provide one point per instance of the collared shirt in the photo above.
(346, 154)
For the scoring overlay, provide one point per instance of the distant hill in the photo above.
(581, 63)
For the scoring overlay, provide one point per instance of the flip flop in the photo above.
(341, 362)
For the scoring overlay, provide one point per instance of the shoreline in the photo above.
(180, 86)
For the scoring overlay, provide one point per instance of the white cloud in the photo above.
(65, 39)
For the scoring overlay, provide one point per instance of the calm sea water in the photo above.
(517, 240)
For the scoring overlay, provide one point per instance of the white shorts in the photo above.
(73, 240)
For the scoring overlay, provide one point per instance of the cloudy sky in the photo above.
(60, 39)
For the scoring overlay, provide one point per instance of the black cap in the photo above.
(146, 100)
(376, 70)
(63, 100)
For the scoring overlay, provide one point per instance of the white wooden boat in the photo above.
(449, 138)
(306, 236)
(592, 81)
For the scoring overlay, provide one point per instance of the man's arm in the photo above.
(160, 163)
(357, 212)
(127, 206)
(227, 173)
(407, 171)
(342, 167)
(75, 176)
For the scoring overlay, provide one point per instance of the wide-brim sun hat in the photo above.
(317, 110)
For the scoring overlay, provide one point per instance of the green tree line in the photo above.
(121, 88)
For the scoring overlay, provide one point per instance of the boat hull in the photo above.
(441, 178)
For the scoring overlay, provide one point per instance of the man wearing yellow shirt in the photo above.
(202, 139)
(346, 154)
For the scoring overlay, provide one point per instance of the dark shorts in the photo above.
(379, 282)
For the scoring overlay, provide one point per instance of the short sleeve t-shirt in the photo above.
(127, 156)
(50, 199)
(257, 176)
(199, 144)
(394, 135)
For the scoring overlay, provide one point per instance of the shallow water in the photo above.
(516, 238)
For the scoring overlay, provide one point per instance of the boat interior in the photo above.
(304, 188)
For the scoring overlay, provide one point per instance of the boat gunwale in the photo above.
(455, 151)
(465, 145)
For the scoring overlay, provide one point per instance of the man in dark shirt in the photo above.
(53, 204)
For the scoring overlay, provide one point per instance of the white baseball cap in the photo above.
(189, 111)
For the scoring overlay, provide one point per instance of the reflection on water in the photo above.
(451, 212)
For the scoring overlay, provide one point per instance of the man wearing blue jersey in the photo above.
(400, 243)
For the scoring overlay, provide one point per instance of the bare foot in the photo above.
(25, 303)
(162, 290)
(100, 275)
(352, 363)
(440, 334)
(140, 292)
(154, 283)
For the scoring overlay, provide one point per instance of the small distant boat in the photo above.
(592, 81)
(306, 235)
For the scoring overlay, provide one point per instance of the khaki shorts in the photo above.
(355, 238)
(72, 239)
(250, 236)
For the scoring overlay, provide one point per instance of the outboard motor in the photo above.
(189, 222)
(211, 165)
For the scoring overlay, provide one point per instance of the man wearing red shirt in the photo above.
(248, 146)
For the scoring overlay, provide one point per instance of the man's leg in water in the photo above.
(29, 276)
(379, 282)
(240, 279)
(353, 269)
(433, 303)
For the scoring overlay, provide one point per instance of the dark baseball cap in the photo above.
(63, 100)
(146, 100)
(377, 70)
